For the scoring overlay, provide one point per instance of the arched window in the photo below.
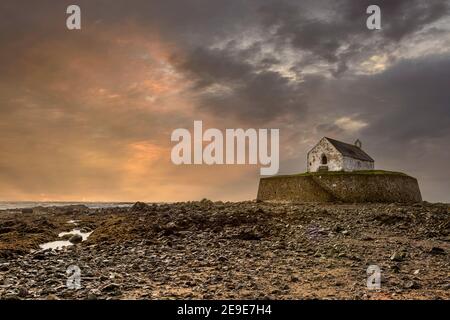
(324, 159)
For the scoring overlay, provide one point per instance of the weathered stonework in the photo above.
(327, 157)
(355, 164)
(363, 186)
(324, 148)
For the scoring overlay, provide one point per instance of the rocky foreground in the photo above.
(215, 250)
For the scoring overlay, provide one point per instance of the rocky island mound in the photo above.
(340, 186)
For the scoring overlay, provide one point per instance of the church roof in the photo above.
(350, 150)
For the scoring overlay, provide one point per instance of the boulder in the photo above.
(140, 206)
(76, 238)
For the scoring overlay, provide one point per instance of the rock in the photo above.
(91, 296)
(207, 202)
(76, 238)
(395, 268)
(110, 287)
(73, 208)
(140, 206)
(248, 235)
(27, 210)
(398, 256)
(67, 236)
(23, 292)
(4, 267)
(171, 226)
(436, 250)
(217, 279)
(275, 292)
(411, 285)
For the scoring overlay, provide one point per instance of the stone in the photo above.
(23, 292)
(140, 206)
(398, 256)
(67, 236)
(91, 296)
(395, 268)
(411, 285)
(110, 287)
(4, 267)
(437, 250)
(76, 238)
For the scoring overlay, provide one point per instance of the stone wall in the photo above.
(314, 157)
(351, 164)
(345, 187)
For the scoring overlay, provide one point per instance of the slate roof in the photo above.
(350, 150)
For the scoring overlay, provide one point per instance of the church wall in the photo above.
(335, 159)
(351, 164)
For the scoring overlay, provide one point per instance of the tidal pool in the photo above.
(58, 244)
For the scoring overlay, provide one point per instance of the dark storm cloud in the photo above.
(232, 86)
(401, 17)
(407, 102)
(327, 37)
(77, 102)
(419, 99)
(255, 92)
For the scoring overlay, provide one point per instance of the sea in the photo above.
(4, 205)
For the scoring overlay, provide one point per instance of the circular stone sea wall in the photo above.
(360, 186)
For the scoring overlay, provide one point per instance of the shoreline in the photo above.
(232, 250)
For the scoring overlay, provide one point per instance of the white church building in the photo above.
(334, 155)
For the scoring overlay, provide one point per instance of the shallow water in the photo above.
(56, 244)
(30, 204)
(59, 244)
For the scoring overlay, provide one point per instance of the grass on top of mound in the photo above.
(331, 173)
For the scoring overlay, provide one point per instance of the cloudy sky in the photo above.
(88, 114)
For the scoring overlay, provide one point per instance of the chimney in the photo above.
(358, 143)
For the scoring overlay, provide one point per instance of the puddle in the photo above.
(58, 244)
(84, 235)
